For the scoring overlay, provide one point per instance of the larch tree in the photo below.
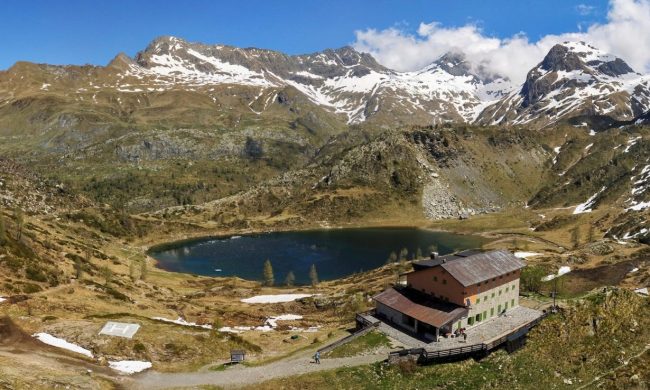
(269, 279)
(19, 217)
(391, 258)
(143, 269)
(107, 274)
(3, 230)
(313, 275)
(78, 267)
(290, 280)
(132, 270)
(575, 237)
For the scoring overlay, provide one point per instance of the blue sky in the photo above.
(80, 32)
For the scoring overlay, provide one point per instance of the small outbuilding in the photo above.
(237, 356)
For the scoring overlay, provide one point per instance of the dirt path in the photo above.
(241, 375)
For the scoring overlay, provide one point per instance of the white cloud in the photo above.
(584, 9)
(625, 34)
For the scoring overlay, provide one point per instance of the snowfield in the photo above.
(523, 255)
(278, 298)
(270, 324)
(586, 207)
(129, 366)
(61, 343)
(181, 321)
(563, 270)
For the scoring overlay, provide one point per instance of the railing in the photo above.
(361, 319)
(367, 326)
(453, 351)
(443, 353)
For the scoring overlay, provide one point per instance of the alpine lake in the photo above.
(336, 253)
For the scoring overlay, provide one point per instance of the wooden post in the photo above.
(437, 333)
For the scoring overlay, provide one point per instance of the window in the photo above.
(478, 300)
(492, 295)
(444, 281)
(499, 292)
(507, 288)
(491, 312)
(470, 321)
(499, 310)
(506, 308)
(512, 303)
(485, 298)
(435, 278)
(485, 314)
(478, 317)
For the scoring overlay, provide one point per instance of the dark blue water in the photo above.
(335, 252)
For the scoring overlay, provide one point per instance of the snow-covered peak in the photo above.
(574, 78)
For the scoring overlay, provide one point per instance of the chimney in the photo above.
(434, 255)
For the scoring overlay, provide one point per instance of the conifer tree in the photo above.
(290, 280)
(575, 237)
(3, 230)
(313, 275)
(143, 269)
(391, 258)
(19, 217)
(78, 267)
(269, 279)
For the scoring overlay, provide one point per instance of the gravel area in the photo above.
(241, 375)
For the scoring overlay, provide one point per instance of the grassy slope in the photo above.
(563, 351)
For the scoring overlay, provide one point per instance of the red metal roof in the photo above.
(433, 313)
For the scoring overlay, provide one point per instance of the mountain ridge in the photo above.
(353, 87)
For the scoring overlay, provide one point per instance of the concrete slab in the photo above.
(119, 329)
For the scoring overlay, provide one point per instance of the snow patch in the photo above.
(523, 255)
(562, 271)
(586, 207)
(129, 366)
(278, 298)
(181, 321)
(61, 343)
(631, 142)
(270, 324)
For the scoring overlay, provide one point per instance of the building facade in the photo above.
(446, 293)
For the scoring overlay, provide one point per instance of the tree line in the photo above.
(290, 279)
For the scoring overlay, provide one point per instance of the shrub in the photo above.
(30, 288)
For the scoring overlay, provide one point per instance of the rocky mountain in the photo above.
(343, 81)
(186, 123)
(574, 80)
